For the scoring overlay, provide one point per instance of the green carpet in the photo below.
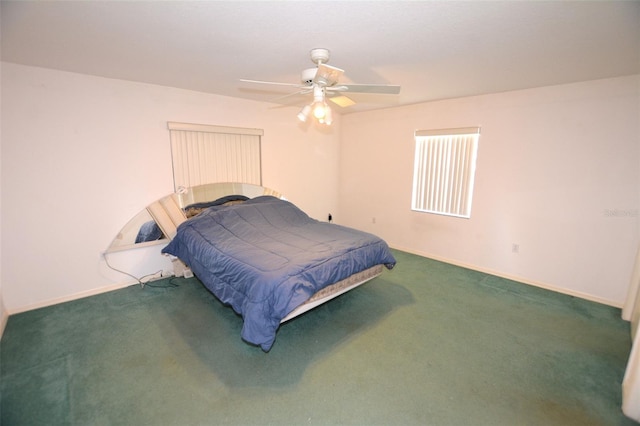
(427, 343)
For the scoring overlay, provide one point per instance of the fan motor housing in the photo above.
(318, 56)
(308, 75)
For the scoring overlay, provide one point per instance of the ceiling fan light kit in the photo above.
(322, 79)
(322, 113)
(320, 110)
(304, 113)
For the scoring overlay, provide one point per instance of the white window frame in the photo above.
(444, 171)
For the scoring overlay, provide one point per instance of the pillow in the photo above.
(228, 200)
(149, 231)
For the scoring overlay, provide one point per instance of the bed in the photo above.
(271, 262)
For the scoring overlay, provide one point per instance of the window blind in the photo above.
(204, 154)
(444, 170)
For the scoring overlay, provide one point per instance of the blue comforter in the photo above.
(266, 257)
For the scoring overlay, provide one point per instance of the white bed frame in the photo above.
(335, 290)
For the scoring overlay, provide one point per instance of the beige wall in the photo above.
(3, 310)
(81, 155)
(557, 174)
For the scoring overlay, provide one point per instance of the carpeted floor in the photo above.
(427, 343)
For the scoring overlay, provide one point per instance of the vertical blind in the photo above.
(208, 154)
(444, 169)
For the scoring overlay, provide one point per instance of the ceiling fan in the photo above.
(323, 82)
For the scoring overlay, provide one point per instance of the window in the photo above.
(208, 154)
(444, 169)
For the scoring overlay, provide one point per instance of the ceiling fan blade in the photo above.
(385, 89)
(342, 101)
(327, 75)
(288, 95)
(272, 83)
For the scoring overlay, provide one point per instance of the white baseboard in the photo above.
(96, 291)
(534, 283)
(3, 321)
(71, 297)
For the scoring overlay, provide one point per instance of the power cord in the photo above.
(171, 284)
(140, 281)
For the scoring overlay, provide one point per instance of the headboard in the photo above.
(167, 213)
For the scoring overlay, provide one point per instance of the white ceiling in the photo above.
(433, 49)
